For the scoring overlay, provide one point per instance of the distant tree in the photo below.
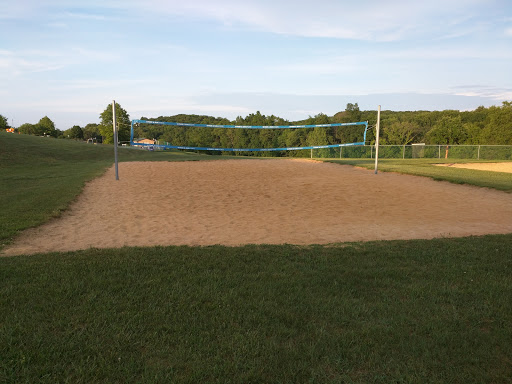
(321, 118)
(349, 115)
(27, 129)
(482, 126)
(478, 116)
(353, 113)
(174, 135)
(317, 136)
(123, 122)
(448, 130)
(347, 134)
(3, 122)
(398, 133)
(498, 130)
(473, 133)
(91, 131)
(46, 127)
(74, 132)
(255, 119)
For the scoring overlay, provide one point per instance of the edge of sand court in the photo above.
(275, 201)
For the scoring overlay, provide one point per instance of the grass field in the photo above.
(425, 167)
(420, 311)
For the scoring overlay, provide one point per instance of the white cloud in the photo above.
(495, 93)
(352, 63)
(363, 20)
(84, 16)
(58, 25)
(323, 66)
(27, 9)
(213, 109)
(166, 107)
(13, 64)
(99, 84)
(370, 20)
(16, 63)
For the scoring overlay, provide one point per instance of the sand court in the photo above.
(494, 167)
(275, 201)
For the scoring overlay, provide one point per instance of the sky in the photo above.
(226, 58)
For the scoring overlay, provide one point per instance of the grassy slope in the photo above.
(403, 311)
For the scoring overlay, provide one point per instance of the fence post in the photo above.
(311, 152)
(439, 156)
(403, 153)
(478, 152)
(340, 152)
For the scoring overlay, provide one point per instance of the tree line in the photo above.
(492, 125)
(101, 132)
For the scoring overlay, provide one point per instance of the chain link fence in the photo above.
(417, 151)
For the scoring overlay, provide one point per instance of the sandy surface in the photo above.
(235, 202)
(495, 167)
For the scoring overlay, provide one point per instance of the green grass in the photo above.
(436, 311)
(404, 311)
(427, 168)
(39, 177)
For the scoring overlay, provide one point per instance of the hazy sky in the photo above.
(69, 59)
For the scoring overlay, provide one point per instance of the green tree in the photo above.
(448, 130)
(75, 132)
(3, 122)
(317, 136)
(37, 129)
(123, 123)
(473, 133)
(398, 133)
(92, 131)
(27, 129)
(353, 113)
(255, 119)
(46, 127)
(498, 129)
(321, 118)
(175, 136)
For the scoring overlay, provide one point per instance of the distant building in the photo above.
(146, 142)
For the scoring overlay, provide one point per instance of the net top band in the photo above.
(248, 126)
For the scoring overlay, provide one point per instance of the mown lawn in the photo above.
(436, 311)
(403, 311)
(426, 167)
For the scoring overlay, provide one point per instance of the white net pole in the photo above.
(114, 126)
(377, 141)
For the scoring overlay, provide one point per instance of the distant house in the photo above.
(146, 142)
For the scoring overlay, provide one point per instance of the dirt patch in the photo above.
(495, 167)
(234, 202)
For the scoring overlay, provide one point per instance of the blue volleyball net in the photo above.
(362, 124)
